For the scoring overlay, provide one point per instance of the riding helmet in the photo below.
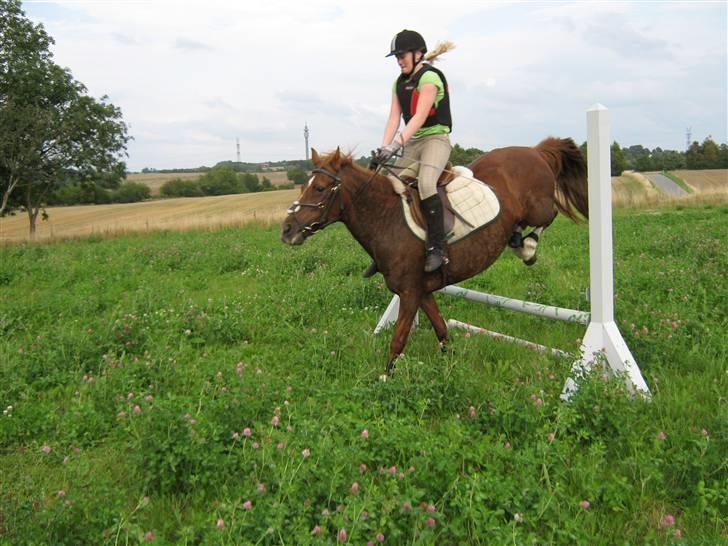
(407, 40)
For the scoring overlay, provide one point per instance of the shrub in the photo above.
(221, 181)
(181, 188)
(131, 192)
(75, 193)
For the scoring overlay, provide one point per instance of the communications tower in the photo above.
(305, 137)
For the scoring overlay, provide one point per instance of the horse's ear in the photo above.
(336, 157)
(315, 157)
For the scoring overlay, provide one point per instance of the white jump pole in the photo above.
(603, 340)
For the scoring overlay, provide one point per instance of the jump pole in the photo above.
(602, 341)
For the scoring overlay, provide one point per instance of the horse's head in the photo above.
(320, 202)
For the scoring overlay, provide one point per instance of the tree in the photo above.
(53, 132)
(131, 192)
(251, 183)
(222, 180)
(297, 175)
(619, 164)
(462, 156)
(710, 152)
(181, 188)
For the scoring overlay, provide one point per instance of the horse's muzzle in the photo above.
(290, 235)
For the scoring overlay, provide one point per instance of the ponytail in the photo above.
(442, 47)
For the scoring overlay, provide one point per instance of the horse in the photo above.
(533, 184)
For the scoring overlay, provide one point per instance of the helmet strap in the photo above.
(414, 64)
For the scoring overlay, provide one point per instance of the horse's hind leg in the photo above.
(527, 250)
(429, 306)
(408, 304)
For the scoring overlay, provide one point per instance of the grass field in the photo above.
(217, 387)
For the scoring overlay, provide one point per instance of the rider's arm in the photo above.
(395, 112)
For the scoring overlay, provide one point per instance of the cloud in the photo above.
(123, 39)
(617, 34)
(192, 45)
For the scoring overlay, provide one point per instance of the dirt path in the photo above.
(665, 184)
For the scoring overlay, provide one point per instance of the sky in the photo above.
(191, 77)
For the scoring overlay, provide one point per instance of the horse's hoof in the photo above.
(444, 347)
(530, 261)
(384, 378)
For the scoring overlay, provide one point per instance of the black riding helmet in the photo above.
(407, 40)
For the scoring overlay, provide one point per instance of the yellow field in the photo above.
(155, 180)
(706, 181)
(163, 214)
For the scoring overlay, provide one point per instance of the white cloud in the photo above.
(191, 77)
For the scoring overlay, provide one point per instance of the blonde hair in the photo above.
(440, 48)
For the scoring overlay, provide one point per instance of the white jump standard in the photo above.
(602, 341)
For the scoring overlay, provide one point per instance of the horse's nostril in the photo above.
(286, 228)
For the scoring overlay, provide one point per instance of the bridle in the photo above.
(325, 204)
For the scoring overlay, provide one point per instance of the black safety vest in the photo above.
(408, 95)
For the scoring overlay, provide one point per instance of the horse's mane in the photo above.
(335, 160)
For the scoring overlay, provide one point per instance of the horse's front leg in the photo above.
(429, 306)
(408, 304)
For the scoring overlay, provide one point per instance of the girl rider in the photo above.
(420, 96)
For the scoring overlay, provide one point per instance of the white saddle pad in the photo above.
(474, 202)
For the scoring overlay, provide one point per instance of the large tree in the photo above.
(52, 131)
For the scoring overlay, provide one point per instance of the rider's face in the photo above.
(406, 61)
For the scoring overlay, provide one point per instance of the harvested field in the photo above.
(163, 214)
(706, 181)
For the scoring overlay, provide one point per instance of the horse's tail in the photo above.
(569, 168)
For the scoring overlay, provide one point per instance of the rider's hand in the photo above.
(386, 152)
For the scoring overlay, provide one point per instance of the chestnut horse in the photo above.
(532, 184)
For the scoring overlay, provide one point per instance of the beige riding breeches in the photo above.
(427, 156)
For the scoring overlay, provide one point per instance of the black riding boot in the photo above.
(371, 270)
(435, 246)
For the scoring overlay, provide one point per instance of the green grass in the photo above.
(135, 365)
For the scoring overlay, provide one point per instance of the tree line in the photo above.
(705, 155)
(220, 180)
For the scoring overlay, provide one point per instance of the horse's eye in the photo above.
(319, 189)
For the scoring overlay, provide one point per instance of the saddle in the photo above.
(467, 204)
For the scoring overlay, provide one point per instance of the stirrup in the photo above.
(434, 259)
